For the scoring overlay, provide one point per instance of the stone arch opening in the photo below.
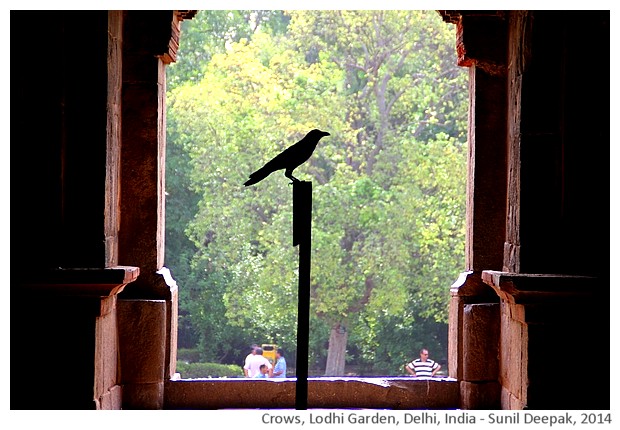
(86, 161)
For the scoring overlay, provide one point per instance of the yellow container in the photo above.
(269, 352)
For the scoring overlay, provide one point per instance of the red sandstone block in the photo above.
(481, 330)
(480, 395)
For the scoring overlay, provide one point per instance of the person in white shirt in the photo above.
(248, 358)
(253, 367)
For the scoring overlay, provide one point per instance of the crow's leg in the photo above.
(289, 174)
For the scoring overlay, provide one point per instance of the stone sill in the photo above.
(323, 392)
(100, 282)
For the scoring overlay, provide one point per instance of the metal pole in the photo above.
(302, 226)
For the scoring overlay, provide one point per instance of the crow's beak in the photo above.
(326, 134)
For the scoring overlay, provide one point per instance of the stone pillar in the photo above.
(150, 42)
(480, 43)
(480, 388)
(473, 341)
(142, 362)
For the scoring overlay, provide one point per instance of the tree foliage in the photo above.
(388, 199)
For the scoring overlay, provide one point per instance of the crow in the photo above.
(289, 159)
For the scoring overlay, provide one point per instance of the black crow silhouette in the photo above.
(289, 159)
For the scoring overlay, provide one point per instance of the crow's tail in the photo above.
(258, 176)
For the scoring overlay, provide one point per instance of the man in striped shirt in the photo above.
(423, 366)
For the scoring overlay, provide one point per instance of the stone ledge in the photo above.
(522, 288)
(99, 282)
(323, 392)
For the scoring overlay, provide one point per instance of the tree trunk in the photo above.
(336, 351)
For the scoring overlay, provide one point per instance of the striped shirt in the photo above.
(423, 368)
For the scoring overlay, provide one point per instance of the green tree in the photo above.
(201, 311)
(209, 32)
(400, 88)
(388, 226)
